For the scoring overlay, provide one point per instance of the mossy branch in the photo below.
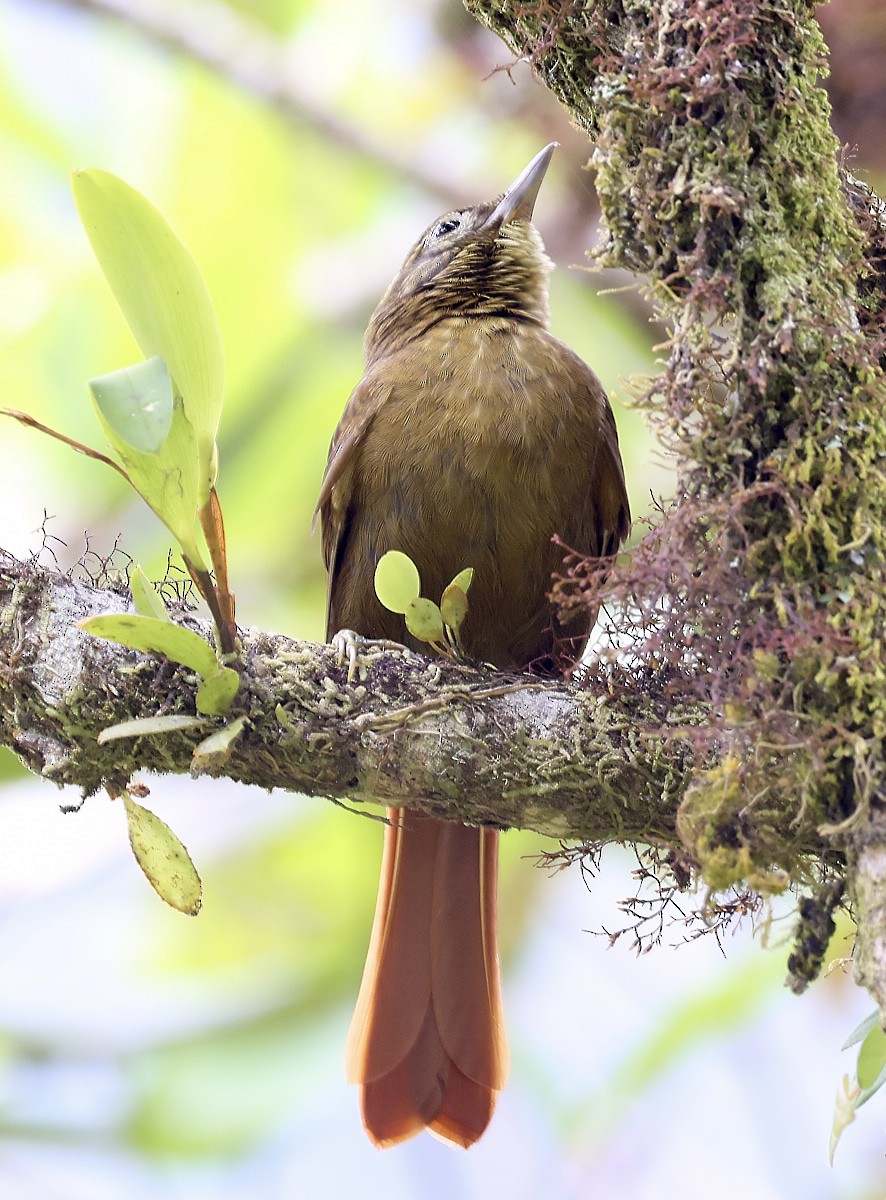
(720, 182)
(477, 747)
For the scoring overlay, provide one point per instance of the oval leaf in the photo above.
(160, 637)
(871, 1060)
(163, 858)
(147, 600)
(464, 579)
(216, 693)
(397, 581)
(162, 295)
(453, 607)
(423, 620)
(137, 403)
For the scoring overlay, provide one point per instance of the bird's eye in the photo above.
(444, 227)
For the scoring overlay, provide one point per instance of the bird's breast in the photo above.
(484, 440)
(480, 448)
(489, 388)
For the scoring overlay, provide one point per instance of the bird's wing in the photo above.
(612, 510)
(336, 490)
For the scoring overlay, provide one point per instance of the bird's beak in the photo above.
(519, 200)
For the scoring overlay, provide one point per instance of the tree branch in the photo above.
(487, 747)
(719, 180)
(762, 592)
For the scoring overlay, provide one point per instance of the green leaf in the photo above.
(870, 1070)
(148, 726)
(216, 693)
(844, 1114)
(168, 479)
(163, 296)
(423, 620)
(147, 600)
(136, 402)
(163, 858)
(214, 750)
(160, 637)
(861, 1031)
(463, 579)
(453, 607)
(397, 581)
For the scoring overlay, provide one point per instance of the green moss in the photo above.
(719, 180)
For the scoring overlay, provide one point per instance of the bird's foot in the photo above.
(349, 645)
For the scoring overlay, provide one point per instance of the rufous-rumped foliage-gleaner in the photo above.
(473, 437)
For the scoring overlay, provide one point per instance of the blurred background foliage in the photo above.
(298, 147)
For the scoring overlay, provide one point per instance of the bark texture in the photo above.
(481, 748)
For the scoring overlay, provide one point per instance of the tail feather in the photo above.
(465, 979)
(427, 1040)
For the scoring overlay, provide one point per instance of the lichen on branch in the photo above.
(474, 746)
(760, 592)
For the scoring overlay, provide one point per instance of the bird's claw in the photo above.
(348, 645)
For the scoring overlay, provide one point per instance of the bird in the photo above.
(474, 438)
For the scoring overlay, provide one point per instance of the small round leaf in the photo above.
(453, 607)
(397, 582)
(216, 693)
(423, 620)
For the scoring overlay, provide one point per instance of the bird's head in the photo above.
(485, 261)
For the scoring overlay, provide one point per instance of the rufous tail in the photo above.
(427, 1041)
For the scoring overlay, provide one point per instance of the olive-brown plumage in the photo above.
(472, 439)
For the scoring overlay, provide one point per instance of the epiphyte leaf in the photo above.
(162, 295)
(397, 581)
(160, 637)
(163, 858)
(137, 403)
(216, 693)
(147, 600)
(147, 726)
(423, 620)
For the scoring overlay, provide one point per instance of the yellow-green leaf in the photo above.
(167, 480)
(397, 582)
(160, 637)
(216, 693)
(453, 607)
(844, 1113)
(861, 1031)
(136, 402)
(214, 750)
(464, 579)
(423, 620)
(163, 296)
(149, 726)
(163, 858)
(871, 1059)
(147, 600)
